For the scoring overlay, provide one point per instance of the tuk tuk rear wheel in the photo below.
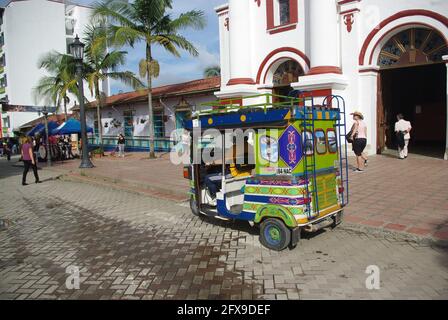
(193, 206)
(274, 234)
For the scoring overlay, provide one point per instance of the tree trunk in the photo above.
(65, 109)
(152, 153)
(99, 105)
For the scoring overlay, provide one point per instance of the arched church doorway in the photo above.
(286, 73)
(412, 81)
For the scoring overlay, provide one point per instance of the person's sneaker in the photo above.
(358, 170)
(38, 181)
(24, 184)
(365, 163)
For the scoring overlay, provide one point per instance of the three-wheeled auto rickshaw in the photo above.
(290, 174)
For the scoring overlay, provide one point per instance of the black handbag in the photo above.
(348, 137)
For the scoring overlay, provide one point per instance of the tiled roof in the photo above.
(185, 88)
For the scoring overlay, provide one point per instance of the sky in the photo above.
(185, 68)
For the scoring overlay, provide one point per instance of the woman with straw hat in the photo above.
(359, 137)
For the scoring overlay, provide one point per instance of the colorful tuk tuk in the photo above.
(297, 178)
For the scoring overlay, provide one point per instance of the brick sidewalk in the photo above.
(408, 196)
(401, 195)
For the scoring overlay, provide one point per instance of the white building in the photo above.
(127, 113)
(30, 29)
(384, 57)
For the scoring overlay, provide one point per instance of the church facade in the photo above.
(384, 57)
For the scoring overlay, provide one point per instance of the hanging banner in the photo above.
(21, 108)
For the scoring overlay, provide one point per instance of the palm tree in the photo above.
(212, 71)
(61, 81)
(148, 21)
(99, 65)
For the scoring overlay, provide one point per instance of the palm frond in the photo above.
(127, 77)
(119, 11)
(192, 19)
(170, 41)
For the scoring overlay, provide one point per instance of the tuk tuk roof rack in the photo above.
(229, 105)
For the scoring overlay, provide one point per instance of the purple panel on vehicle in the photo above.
(290, 145)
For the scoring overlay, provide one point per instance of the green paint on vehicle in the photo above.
(275, 211)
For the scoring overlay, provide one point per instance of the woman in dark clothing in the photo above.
(121, 144)
(29, 160)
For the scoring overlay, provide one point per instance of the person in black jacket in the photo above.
(121, 144)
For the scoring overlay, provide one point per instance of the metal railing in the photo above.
(137, 144)
(269, 101)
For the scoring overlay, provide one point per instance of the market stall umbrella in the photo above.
(51, 126)
(69, 127)
(33, 131)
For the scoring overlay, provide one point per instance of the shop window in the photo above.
(159, 126)
(308, 143)
(128, 117)
(6, 122)
(321, 142)
(332, 141)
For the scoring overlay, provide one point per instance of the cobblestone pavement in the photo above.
(129, 246)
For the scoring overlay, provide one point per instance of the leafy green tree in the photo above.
(149, 22)
(55, 87)
(101, 64)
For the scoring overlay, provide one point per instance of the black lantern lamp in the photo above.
(77, 50)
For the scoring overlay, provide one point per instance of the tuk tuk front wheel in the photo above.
(274, 234)
(194, 207)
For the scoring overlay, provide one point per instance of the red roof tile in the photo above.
(185, 88)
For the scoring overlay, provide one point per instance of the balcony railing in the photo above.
(136, 144)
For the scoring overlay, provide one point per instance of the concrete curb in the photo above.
(116, 186)
(134, 184)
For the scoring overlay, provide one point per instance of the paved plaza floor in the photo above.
(408, 196)
(128, 245)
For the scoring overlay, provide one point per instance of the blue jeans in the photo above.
(213, 182)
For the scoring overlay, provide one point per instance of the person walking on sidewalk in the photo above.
(403, 129)
(359, 137)
(121, 144)
(29, 160)
(8, 149)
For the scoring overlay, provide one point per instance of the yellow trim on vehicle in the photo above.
(327, 212)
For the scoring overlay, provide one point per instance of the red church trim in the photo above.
(236, 81)
(402, 14)
(347, 1)
(283, 49)
(324, 69)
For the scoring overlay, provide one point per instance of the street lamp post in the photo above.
(77, 49)
(47, 143)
